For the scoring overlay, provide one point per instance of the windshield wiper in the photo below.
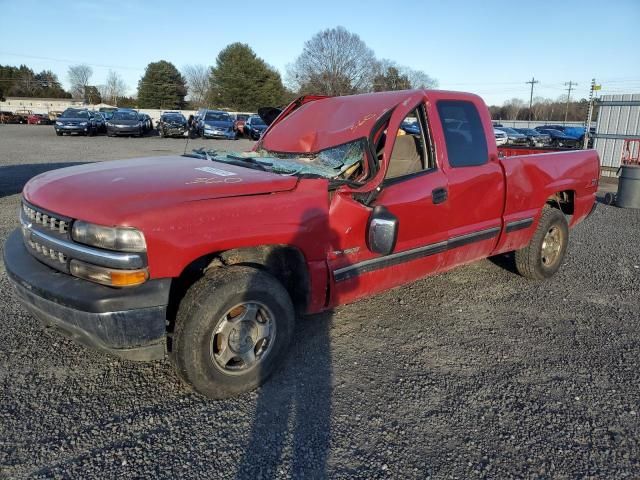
(238, 161)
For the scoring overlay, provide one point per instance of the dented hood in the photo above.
(123, 188)
(324, 122)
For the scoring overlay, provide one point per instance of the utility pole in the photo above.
(533, 81)
(566, 111)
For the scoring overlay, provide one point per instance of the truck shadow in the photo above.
(14, 177)
(291, 430)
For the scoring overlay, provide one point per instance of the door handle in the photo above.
(439, 195)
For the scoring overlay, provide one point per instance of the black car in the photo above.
(147, 123)
(172, 124)
(254, 127)
(534, 137)
(126, 122)
(101, 123)
(76, 120)
(558, 138)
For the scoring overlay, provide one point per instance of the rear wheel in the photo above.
(545, 252)
(232, 331)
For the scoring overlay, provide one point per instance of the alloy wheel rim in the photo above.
(551, 246)
(243, 338)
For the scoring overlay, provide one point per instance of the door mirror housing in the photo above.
(382, 231)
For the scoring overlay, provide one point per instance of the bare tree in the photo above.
(197, 77)
(418, 78)
(79, 76)
(333, 62)
(116, 87)
(512, 108)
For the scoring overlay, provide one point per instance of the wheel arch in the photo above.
(563, 200)
(286, 263)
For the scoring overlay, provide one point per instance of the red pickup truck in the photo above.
(208, 257)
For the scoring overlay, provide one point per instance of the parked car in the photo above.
(76, 120)
(239, 121)
(101, 123)
(23, 115)
(147, 123)
(412, 128)
(558, 138)
(500, 136)
(8, 117)
(216, 124)
(54, 114)
(38, 119)
(534, 137)
(254, 127)
(514, 137)
(208, 257)
(126, 122)
(172, 124)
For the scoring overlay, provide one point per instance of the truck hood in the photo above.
(118, 190)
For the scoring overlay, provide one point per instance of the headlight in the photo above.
(82, 124)
(121, 239)
(109, 124)
(108, 276)
(58, 123)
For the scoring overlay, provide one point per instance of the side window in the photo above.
(411, 152)
(463, 133)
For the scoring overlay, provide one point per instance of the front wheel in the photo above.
(232, 331)
(545, 252)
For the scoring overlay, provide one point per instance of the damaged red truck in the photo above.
(208, 257)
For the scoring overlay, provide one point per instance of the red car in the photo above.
(38, 119)
(208, 258)
(238, 123)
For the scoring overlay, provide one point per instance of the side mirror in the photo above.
(382, 231)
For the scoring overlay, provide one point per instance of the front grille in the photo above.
(46, 220)
(46, 252)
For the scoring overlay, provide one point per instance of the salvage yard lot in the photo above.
(476, 372)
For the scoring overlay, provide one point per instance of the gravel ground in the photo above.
(473, 373)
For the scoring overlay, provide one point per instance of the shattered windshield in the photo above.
(343, 162)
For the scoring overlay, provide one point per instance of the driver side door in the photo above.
(415, 192)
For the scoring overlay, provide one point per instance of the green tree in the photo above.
(243, 81)
(23, 82)
(391, 79)
(162, 86)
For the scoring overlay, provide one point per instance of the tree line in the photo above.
(333, 62)
(542, 108)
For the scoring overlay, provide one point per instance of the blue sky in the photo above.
(487, 47)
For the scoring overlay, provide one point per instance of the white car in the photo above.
(501, 137)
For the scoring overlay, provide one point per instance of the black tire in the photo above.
(534, 261)
(209, 303)
(59, 133)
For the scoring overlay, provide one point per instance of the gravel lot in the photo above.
(474, 373)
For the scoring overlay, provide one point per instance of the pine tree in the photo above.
(162, 86)
(242, 81)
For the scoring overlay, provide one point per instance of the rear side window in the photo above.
(463, 133)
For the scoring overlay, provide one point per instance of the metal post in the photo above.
(566, 111)
(533, 81)
(587, 125)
